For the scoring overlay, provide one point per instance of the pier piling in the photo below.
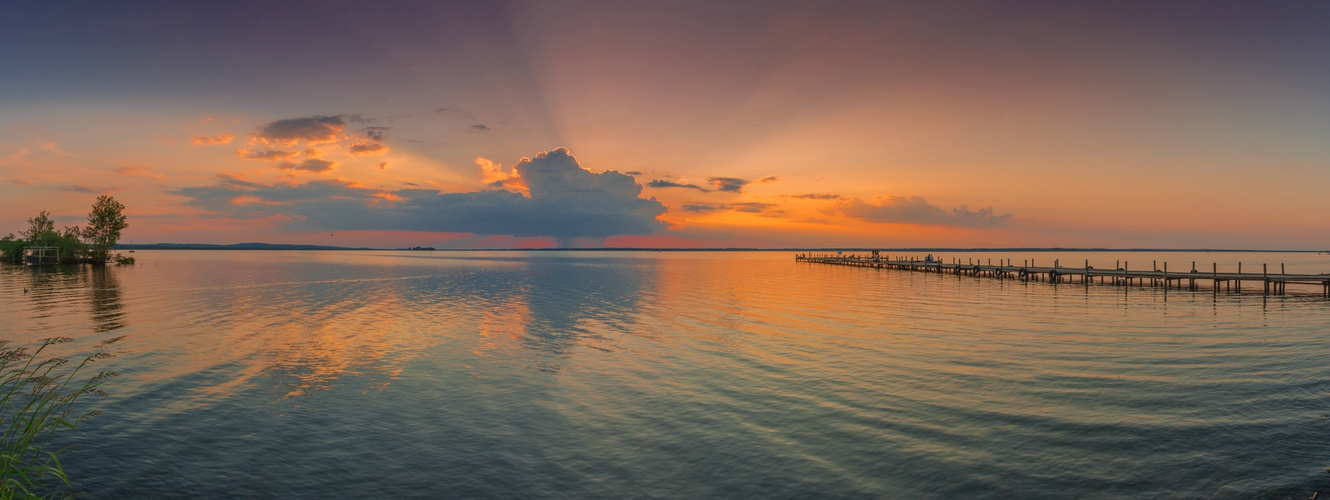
(1122, 275)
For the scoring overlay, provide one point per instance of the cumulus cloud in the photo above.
(729, 184)
(209, 141)
(493, 175)
(916, 210)
(311, 165)
(814, 196)
(672, 184)
(309, 130)
(367, 149)
(269, 155)
(566, 202)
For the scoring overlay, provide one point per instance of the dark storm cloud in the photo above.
(672, 184)
(313, 130)
(565, 201)
(729, 184)
(915, 210)
(310, 165)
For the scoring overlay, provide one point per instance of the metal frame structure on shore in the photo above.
(41, 255)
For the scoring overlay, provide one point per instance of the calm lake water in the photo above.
(685, 375)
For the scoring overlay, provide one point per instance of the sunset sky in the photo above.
(674, 123)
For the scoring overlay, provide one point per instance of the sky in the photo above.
(767, 124)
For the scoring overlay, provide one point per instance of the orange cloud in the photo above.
(492, 174)
(209, 141)
(914, 209)
(309, 130)
(245, 200)
(269, 155)
(140, 171)
(310, 165)
(367, 149)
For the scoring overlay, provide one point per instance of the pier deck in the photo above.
(1271, 283)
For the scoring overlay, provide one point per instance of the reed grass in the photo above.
(36, 401)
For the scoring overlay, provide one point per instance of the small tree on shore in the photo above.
(105, 222)
(38, 226)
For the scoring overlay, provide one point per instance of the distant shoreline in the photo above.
(278, 246)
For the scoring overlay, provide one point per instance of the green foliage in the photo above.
(36, 401)
(11, 248)
(105, 222)
(122, 260)
(71, 249)
(39, 225)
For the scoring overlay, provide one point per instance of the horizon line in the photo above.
(300, 246)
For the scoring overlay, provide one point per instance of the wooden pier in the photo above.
(1123, 275)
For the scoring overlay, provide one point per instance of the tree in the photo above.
(39, 225)
(105, 222)
(11, 248)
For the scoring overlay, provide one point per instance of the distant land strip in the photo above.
(283, 246)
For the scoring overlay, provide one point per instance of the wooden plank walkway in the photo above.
(1271, 283)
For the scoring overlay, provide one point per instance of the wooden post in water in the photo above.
(1265, 276)
(1167, 283)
